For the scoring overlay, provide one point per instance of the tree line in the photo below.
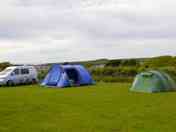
(3, 65)
(121, 70)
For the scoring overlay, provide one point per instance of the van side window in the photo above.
(17, 71)
(24, 71)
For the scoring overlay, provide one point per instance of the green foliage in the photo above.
(130, 62)
(4, 65)
(125, 62)
(163, 61)
(42, 74)
(123, 69)
(114, 74)
(120, 69)
(113, 63)
(112, 79)
(115, 71)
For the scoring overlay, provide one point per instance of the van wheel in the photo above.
(27, 81)
(10, 83)
(34, 81)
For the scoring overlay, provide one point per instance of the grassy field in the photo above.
(102, 108)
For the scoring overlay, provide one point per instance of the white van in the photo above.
(18, 75)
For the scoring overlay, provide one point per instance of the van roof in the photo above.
(14, 67)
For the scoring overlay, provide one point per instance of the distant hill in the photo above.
(116, 70)
(154, 61)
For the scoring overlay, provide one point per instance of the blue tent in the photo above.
(67, 75)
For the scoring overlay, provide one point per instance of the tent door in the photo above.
(55, 75)
(73, 76)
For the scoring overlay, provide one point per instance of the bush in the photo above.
(113, 63)
(4, 65)
(129, 62)
(112, 79)
(115, 71)
(114, 74)
(162, 61)
(42, 74)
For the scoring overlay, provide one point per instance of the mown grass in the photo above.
(105, 107)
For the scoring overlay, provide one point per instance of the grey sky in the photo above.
(39, 31)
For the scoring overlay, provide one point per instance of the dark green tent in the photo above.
(153, 81)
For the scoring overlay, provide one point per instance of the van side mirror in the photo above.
(12, 74)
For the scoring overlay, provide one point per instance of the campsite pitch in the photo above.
(105, 107)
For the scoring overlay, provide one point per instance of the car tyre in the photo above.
(10, 83)
(34, 81)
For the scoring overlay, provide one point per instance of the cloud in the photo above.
(55, 30)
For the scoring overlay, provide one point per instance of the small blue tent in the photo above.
(67, 75)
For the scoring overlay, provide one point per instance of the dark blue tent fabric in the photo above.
(54, 76)
(67, 75)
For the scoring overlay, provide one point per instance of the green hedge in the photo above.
(115, 71)
(119, 74)
(125, 74)
(4, 65)
(42, 74)
(112, 79)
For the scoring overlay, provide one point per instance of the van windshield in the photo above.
(6, 71)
